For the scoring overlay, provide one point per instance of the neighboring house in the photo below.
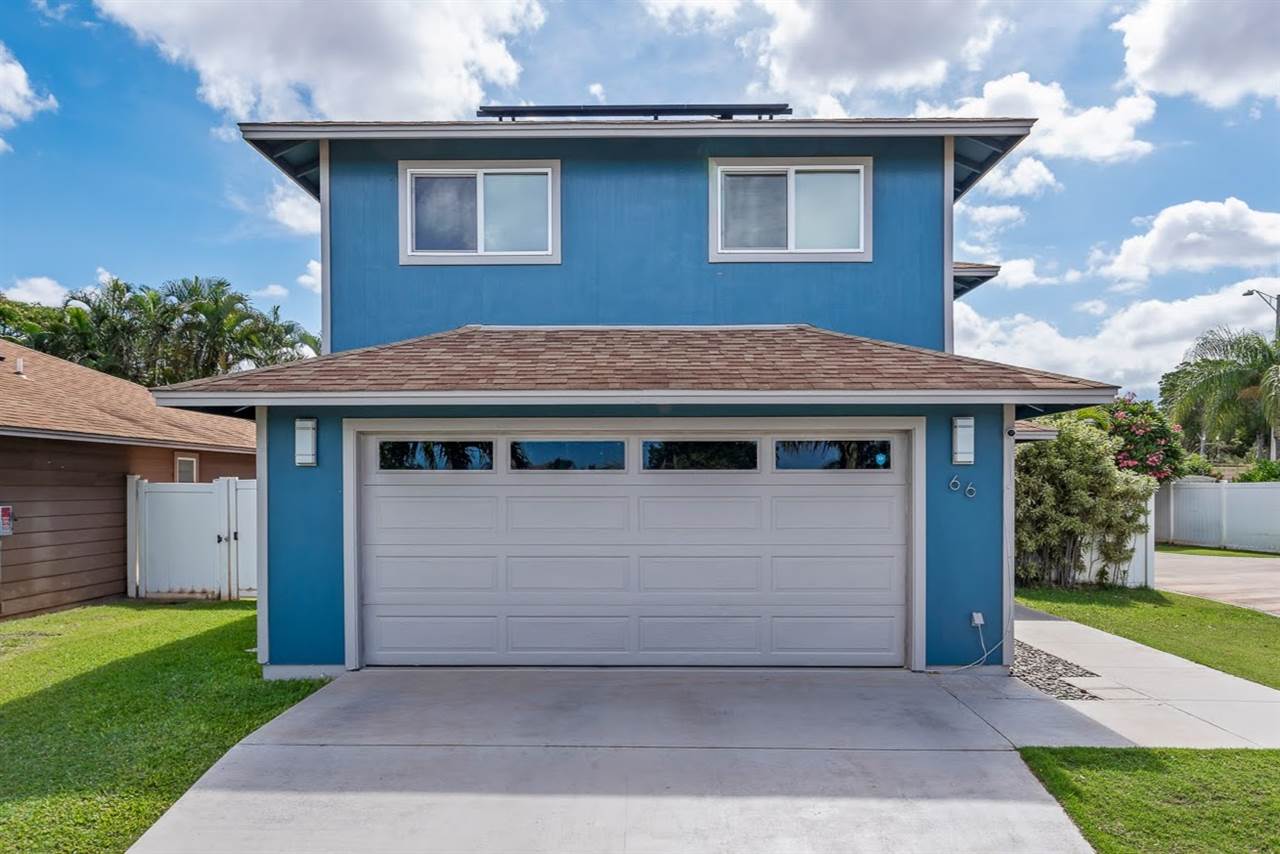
(642, 392)
(68, 437)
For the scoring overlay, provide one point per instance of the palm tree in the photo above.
(1230, 380)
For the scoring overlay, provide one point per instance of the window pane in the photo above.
(568, 456)
(444, 213)
(753, 211)
(186, 470)
(699, 455)
(828, 210)
(435, 456)
(515, 212)
(809, 454)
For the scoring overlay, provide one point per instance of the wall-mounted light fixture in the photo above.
(962, 440)
(304, 441)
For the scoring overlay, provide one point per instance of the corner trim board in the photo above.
(264, 626)
(1008, 440)
(948, 251)
(326, 316)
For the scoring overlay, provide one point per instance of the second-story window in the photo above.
(807, 209)
(468, 212)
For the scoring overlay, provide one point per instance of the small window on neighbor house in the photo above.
(832, 454)
(186, 469)
(814, 209)
(467, 213)
(568, 456)
(700, 455)
(419, 455)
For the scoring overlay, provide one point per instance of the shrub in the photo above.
(1150, 444)
(1262, 471)
(1072, 500)
(1197, 464)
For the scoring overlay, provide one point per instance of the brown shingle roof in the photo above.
(593, 358)
(56, 396)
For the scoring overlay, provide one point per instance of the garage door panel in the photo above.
(634, 568)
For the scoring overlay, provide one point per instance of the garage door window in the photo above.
(425, 455)
(568, 456)
(699, 456)
(833, 454)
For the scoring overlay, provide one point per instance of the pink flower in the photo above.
(1177, 428)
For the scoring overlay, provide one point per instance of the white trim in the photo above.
(301, 671)
(1008, 440)
(719, 166)
(408, 169)
(353, 428)
(350, 540)
(67, 436)
(948, 227)
(260, 475)
(178, 457)
(326, 312)
(1042, 435)
(642, 128)
(623, 397)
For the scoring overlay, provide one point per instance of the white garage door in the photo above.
(633, 548)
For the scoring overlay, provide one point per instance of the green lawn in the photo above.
(1131, 799)
(1227, 638)
(1201, 551)
(108, 713)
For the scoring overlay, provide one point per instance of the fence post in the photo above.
(1222, 514)
(1149, 543)
(131, 535)
(1173, 491)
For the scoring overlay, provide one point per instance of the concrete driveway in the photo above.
(1251, 582)
(581, 760)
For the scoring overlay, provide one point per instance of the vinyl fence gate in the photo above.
(192, 540)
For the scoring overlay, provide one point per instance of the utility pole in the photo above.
(1273, 302)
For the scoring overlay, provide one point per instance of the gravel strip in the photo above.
(1045, 672)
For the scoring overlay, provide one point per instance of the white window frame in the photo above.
(409, 169)
(718, 167)
(177, 468)
(892, 469)
(758, 441)
(590, 473)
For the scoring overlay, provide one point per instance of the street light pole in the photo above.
(1273, 302)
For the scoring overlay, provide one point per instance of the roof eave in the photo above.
(105, 439)
(637, 397)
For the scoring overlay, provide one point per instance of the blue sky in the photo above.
(1145, 202)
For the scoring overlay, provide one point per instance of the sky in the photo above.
(1142, 206)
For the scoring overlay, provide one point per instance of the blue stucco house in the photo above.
(643, 391)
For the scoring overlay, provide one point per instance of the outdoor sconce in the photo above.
(962, 440)
(304, 441)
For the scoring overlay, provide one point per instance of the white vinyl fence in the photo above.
(192, 539)
(1141, 571)
(1218, 514)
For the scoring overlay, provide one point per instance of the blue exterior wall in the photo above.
(634, 245)
(304, 577)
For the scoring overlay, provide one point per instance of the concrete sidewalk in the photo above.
(1151, 698)
(1250, 582)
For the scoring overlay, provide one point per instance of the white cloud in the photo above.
(292, 59)
(1132, 347)
(103, 276)
(311, 279)
(1197, 236)
(982, 224)
(1096, 307)
(1101, 134)
(1217, 52)
(294, 209)
(1016, 273)
(19, 102)
(1028, 177)
(693, 14)
(38, 289)
(272, 291)
(596, 90)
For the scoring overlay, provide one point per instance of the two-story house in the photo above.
(649, 391)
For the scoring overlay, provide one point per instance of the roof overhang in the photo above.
(970, 276)
(294, 147)
(643, 397)
(102, 439)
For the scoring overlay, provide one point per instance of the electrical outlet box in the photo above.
(976, 619)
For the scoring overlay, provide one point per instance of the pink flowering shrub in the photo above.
(1149, 443)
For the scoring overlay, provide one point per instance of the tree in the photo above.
(1072, 502)
(1149, 444)
(1230, 381)
(190, 328)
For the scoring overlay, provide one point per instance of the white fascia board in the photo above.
(664, 397)
(666, 128)
(97, 439)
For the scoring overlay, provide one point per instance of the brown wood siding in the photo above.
(68, 544)
(157, 464)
